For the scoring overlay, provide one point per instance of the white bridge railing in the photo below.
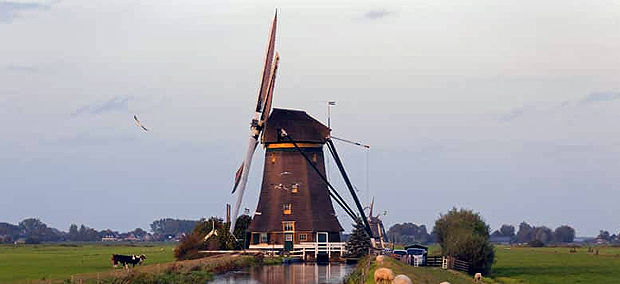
(318, 248)
(303, 248)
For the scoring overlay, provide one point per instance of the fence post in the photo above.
(444, 263)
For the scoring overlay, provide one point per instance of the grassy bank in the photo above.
(185, 272)
(422, 275)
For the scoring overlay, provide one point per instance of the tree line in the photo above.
(534, 236)
(33, 230)
(410, 233)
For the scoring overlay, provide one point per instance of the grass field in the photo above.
(556, 265)
(32, 263)
(19, 264)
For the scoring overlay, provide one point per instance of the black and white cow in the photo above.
(126, 260)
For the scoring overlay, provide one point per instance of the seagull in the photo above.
(138, 123)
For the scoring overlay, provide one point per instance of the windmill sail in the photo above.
(238, 177)
(264, 85)
(256, 125)
(269, 98)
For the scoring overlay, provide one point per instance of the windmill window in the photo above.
(263, 238)
(273, 158)
(303, 237)
(287, 208)
(295, 188)
(288, 226)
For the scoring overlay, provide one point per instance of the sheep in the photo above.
(380, 260)
(384, 276)
(402, 279)
(478, 277)
(445, 282)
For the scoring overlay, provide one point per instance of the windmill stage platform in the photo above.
(308, 251)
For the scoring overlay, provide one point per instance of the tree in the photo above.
(10, 231)
(603, 235)
(543, 234)
(36, 230)
(241, 227)
(205, 226)
(139, 233)
(464, 235)
(507, 231)
(406, 233)
(73, 232)
(31, 226)
(172, 227)
(564, 234)
(359, 241)
(524, 234)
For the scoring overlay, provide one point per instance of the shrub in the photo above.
(464, 235)
(189, 246)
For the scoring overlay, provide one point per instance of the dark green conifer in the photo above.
(359, 241)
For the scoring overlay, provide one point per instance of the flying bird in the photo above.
(138, 123)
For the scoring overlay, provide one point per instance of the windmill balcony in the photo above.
(308, 251)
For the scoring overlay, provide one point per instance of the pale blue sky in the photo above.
(508, 109)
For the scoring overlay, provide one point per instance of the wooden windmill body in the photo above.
(294, 204)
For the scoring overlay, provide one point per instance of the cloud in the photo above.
(11, 9)
(515, 113)
(376, 14)
(21, 68)
(592, 98)
(111, 105)
(600, 97)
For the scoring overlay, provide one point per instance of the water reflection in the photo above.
(301, 273)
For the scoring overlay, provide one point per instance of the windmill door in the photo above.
(321, 239)
(288, 241)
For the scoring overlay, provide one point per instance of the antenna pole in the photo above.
(329, 126)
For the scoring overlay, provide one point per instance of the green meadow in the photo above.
(548, 265)
(24, 263)
(556, 265)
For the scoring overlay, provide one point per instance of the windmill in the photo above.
(295, 198)
(376, 225)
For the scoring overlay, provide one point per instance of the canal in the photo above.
(298, 273)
